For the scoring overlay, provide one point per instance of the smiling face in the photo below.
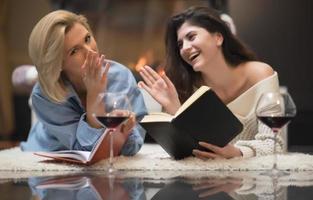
(197, 46)
(77, 42)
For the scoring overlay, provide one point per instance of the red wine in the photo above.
(275, 122)
(111, 121)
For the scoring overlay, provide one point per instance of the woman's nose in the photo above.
(186, 46)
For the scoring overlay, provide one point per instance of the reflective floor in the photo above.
(150, 185)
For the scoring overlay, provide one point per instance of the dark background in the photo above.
(281, 32)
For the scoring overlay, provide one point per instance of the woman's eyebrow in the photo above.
(186, 35)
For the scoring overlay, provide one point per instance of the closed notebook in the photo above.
(203, 117)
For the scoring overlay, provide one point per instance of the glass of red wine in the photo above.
(275, 110)
(112, 110)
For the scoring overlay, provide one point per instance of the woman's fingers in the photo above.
(204, 154)
(101, 60)
(168, 82)
(154, 75)
(203, 186)
(209, 192)
(215, 149)
(228, 151)
(129, 124)
(93, 64)
(149, 75)
(142, 84)
(106, 66)
(105, 72)
(87, 65)
(84, 70)
(98, 66)
(166, 79)
(149, 80)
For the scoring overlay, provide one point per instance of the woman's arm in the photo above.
(64, 126)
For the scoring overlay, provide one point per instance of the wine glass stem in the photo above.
(111, 150)
(274, 150)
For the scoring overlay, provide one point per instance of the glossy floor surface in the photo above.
(192, 185)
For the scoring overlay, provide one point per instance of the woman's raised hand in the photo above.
(94, 78)
(161, 88)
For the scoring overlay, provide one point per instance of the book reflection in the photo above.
(241, 186)
(86, 187)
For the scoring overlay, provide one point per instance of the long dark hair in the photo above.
(181, 73)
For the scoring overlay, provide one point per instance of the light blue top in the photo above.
(64, 127)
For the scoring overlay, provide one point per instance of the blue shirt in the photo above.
(62, 126)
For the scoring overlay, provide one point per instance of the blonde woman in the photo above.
(71, 73)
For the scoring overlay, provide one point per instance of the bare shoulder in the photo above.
(257, 71)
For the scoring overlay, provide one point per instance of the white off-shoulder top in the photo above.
(256, 138)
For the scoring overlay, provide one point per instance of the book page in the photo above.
(82, 156)
(157, 117)
(192, 99)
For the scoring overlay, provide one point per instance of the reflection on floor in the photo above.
(230, 186)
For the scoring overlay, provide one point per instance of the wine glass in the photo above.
(112, 109)
(275, 109)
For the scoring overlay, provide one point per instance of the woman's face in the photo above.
(78, 41)
(197, 46)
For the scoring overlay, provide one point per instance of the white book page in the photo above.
(157, 117)
(75, 154)
(191, 99)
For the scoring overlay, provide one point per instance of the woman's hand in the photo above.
(128, 125)
(95, 81)
(229, 151)
(160, 88)
(122, 133)
(125, 127)
(94, 78)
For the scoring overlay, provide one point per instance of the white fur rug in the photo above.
(151, 158)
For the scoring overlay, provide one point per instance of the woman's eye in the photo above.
(88, 39)
(73, 51)
(191, 37)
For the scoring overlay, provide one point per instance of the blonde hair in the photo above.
(46, 47)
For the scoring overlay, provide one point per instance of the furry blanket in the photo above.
(151, 158)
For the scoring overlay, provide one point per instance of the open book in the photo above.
(76, 156)
(203, 117)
